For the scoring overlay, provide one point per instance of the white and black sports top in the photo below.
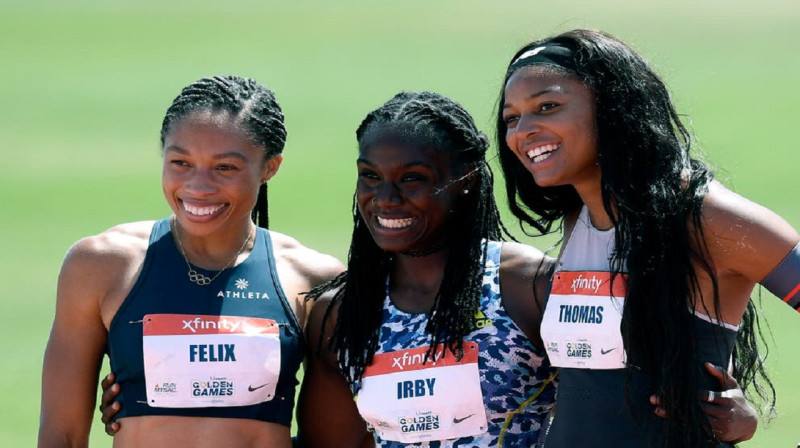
(581, 332)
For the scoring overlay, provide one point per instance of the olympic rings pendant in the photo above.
(196, 277)
(200, 279)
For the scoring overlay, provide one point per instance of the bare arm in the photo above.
(74, 351)
(525, 274)
(745, 242)
(300, 269)
(326, 412)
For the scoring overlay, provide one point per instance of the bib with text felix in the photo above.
(210, 361)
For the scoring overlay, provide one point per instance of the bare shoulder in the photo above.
(742, 235)
(99, 270)
(321, 324)
(320, 307)
(119, 245)
(522, 259)
(301, 269)
(315, 266)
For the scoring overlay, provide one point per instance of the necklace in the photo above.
(588, 223)
(423, 252)
(604, 228)
(196, 277)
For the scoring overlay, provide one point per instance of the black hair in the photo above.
(254, 108)
(433, 121)
(651, 189)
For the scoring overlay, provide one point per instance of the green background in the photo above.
(85, 85)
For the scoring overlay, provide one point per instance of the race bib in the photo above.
(407, 401)
(581, 323)
(195, 361)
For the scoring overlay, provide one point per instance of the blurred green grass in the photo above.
(85, 85)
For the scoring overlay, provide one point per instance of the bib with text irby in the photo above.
(407, 401)
(210, 361)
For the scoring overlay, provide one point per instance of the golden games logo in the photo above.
(427, 421)
(580, 349)
(214, 387)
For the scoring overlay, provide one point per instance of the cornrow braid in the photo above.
(253, 107)
(439, 123)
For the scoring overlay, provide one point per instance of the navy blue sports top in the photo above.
(228, 349)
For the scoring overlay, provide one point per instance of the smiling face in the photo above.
(211, 173)
(405, 194)
(550, 126)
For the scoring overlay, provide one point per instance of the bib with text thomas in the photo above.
(581, 323)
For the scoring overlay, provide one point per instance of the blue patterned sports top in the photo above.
(448, 403)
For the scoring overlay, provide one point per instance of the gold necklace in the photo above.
(196, 277)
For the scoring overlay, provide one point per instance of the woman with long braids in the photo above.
(658, 260)
(433, 328)
(201, 313)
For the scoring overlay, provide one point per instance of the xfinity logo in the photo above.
(199, 324)
(401, 362)
(586, 283)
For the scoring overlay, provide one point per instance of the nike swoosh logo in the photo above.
(605, 352)
(459, 420)
(252, 389)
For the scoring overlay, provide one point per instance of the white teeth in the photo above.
(395, 223)
(202, 211)
(542, 152)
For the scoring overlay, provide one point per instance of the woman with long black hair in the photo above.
(658, 260)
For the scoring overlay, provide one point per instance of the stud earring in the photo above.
(466, 191)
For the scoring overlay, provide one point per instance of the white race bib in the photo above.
(581, 323)
(195, 361)
(408, 402)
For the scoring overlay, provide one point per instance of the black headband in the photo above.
(547, 54)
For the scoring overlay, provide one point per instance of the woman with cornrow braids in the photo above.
(201, 313)
(658, 260)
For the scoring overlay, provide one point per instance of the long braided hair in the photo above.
(253, 107)
(432, 121)
(651, 189)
